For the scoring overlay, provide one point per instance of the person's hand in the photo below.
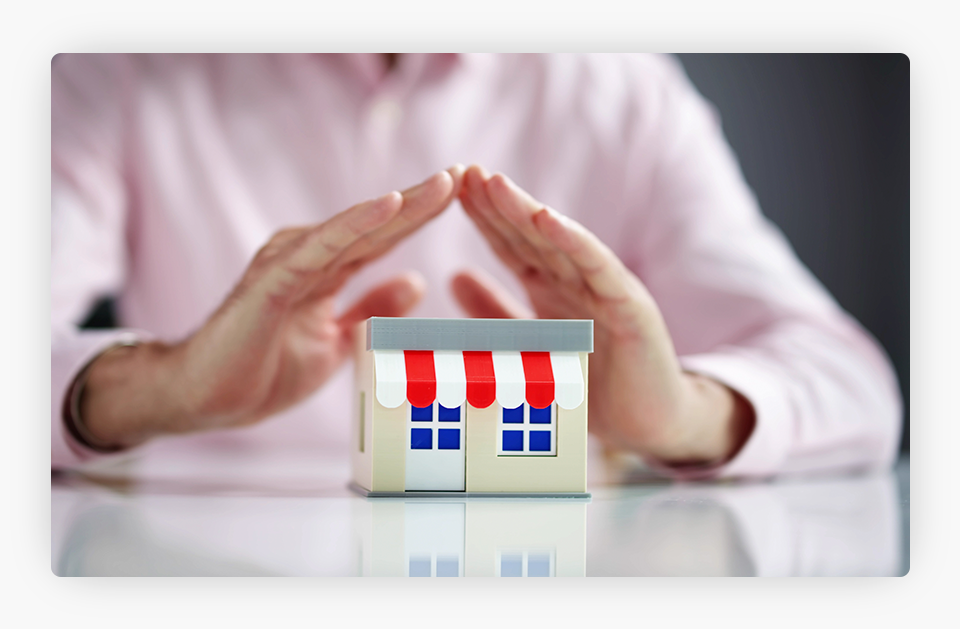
(640, 398)
(276, 338)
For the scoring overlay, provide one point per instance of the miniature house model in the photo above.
(480, 406)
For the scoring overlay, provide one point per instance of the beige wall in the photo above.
(389, 447)
(380, 467)
(362, 462)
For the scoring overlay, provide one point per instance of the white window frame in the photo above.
(435, 424)
(526, 427)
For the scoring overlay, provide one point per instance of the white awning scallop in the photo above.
(390, 373)
(567, 379)
(511, 384)
(451, 378)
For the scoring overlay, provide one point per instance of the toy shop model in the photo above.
(471, 407)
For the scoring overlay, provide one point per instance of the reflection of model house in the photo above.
(484, 537)
(472, 405)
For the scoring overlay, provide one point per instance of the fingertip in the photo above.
(467, 291)
(545, 217)
(460, 280)
(443, 177)
(381, 210)
(433, 189)
(472, 176)
(555, 227)
(498, 185)
(456, 173)
(497, 179)
(416, 281)
(408, 289)
(448, 181)
(480, 295)
(473, 185)
(389, 200)
(394, 201)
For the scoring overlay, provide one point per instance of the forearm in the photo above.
(824, 397)
(129, 396)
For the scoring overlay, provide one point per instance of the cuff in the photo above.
(766, 448)
(71, 352)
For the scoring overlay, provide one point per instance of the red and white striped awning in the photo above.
(510, 378)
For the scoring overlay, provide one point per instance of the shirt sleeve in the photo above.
(743, 310)
(89, 213)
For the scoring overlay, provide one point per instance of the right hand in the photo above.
(276, 338)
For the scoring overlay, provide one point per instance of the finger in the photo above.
(599, 267)
(284, 274)
(417, 205)
(518, 208)
(393, 298)
(475, 193)
(321, 244)
(420, 204)
(278, 242)
(423, 202)
(483, 297)
(496, 241)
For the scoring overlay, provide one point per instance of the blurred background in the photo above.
(824, 141)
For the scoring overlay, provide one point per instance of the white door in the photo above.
(435, 448)
(433, 538)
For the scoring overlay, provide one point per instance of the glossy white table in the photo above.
(293, 515)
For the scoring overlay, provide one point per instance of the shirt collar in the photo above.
(370, 69)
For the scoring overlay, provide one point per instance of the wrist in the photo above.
(712, 424)
(128, 395)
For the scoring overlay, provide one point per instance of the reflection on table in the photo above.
(475, 538)
(848, 525)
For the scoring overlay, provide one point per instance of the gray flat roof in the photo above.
(505, 335)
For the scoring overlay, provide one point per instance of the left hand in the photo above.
(640, 398)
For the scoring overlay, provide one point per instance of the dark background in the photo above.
(824, 141)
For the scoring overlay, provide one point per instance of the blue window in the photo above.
(448, 439)
(424, 414)
(449, 414)
(421, 439)
(513, 440)
(511, 566)
(540, 415)
(513, 415)
(539, 441)
(448, 566)
(420, 567)
(526, 430)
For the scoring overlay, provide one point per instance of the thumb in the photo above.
(393, 298)
(483, 297)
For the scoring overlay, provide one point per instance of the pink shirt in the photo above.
(170, 171)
